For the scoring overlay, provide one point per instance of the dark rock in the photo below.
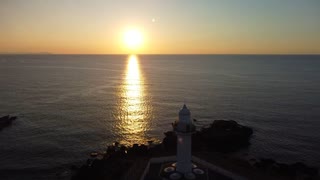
(265, 163)
(94, 154)
(281, 168)
(6, 121)
(297, 170)
(170, 141)
(111, 149)
(224, 136)
(138, 150)
(301, 168)
(123, 148)
(221, 135)
(113, 166)
(74, 167)
(12, 118)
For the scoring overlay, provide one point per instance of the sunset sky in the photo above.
(166, 26)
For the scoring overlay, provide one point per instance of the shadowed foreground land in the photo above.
(215, 144)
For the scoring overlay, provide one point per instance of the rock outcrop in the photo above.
(296, 170)
(224, 136)
(120, 162)
(221, 135)
(6, 121)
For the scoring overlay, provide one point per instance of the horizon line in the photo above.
(160, 54)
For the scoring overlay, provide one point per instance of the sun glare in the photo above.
(133, 39)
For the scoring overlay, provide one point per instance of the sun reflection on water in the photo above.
(133, 113)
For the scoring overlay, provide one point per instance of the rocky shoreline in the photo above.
(215, 142)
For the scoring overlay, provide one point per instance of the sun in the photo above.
(133, 39)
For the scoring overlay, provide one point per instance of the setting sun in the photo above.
(133, 39)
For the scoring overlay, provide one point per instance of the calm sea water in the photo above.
(71, 105)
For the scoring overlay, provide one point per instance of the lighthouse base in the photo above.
(184, 167)
(201, 170)
(169, 171)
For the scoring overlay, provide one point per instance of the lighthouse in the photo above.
(184, 129)
(184, 166)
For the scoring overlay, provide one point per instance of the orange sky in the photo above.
(168, 27)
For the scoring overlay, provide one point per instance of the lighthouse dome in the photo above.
(184, 111)
(184, 124)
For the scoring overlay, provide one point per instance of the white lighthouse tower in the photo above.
(184, 128)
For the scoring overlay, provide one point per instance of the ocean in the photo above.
(71, 105)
